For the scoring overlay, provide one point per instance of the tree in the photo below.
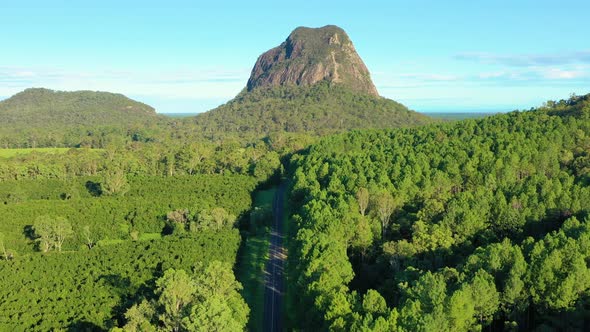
(384, 205)
(363, 236)
(52, 232)
(485, 296)
(62, 229)
(115, 183)
(44, 232)
(374, 303)
(208, 300)
(362, 197)
(88, 236)
(176, 290)
(216, 218)
(219, 305)
(140, 318)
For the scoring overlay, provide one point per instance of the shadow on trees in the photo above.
(128, 295)
(82, 326)
(29, 233)
(93, 188)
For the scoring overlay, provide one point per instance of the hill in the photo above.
(313, 82)
(43, 108)
(45, 118)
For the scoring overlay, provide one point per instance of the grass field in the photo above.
(253, 257)
(8, 153)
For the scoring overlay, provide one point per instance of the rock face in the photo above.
(311, 55)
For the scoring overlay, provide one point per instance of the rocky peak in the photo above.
(311, 55)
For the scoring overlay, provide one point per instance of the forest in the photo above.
(474, 225)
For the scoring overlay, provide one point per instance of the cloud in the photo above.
(559, 74)
(203, 83)
(527, 60)
(430, 77)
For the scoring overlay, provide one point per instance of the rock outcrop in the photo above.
(311, 55)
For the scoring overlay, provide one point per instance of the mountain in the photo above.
(44, 108)
(313, 82)
(309, 56)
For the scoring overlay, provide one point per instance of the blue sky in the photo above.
(189, 56)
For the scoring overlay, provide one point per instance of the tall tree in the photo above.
(362, 197)
(44, 232)
(219, 305)
(384, 206)
(115, 183)
(176, 290)
(62, 229)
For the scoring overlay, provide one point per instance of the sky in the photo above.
(190, 56)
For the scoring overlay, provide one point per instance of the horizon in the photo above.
(186, 58)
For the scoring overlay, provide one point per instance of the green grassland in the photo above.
(8, 153)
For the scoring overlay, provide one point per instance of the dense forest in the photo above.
(479, 224)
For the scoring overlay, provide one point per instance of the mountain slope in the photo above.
(322, 108)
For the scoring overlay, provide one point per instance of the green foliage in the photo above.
(115, 183)
(479, 224)
(95, 287)
(143, 209)
(206, 301)
(51, 232)
(321, 108)
(54, 118)
(9, 153)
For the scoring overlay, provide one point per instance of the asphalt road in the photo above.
(273, 279)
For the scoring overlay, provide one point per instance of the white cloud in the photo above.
(192, 83)
(559, 74)
(527, 60)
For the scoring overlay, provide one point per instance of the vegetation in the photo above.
(7, 153)
(254, 255)
(472, 225)
(93, 289)
(54, 119)
(141, 211)
(321, 109)
(207, 301)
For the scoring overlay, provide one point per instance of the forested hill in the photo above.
(475, 225)
(44, 108)
(322, 108)
(313, 82)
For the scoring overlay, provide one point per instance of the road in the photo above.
(273, 279)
